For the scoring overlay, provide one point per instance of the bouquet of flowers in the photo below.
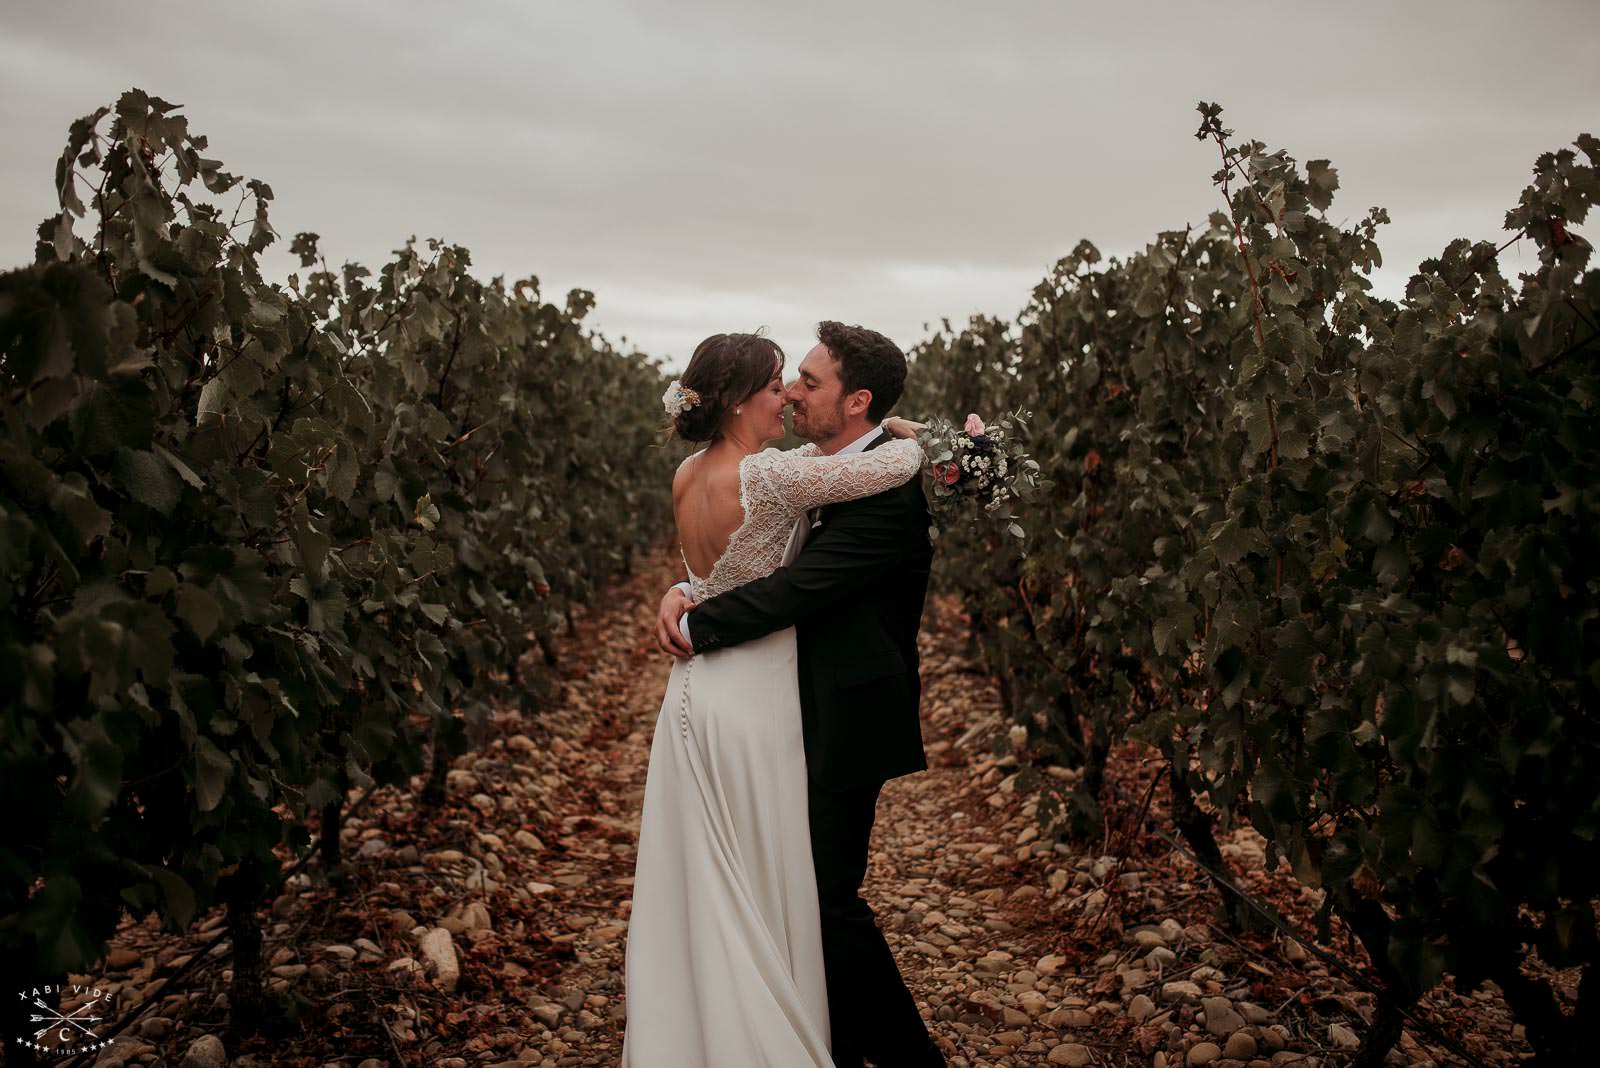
(979, 472)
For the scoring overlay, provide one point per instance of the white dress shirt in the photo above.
(861, 443)
(858, 445)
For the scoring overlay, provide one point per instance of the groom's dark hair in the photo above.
(867, 360)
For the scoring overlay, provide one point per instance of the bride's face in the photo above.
(763, 413)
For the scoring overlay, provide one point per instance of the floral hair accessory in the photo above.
(677, 399)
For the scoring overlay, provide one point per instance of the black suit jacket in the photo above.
(854, 595)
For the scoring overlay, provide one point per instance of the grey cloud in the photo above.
(708, 166)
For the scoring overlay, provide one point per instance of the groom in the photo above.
(854, 595)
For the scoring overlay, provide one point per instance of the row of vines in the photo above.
(1332, 555)
(260, 544)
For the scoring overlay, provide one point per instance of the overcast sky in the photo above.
(721, 166)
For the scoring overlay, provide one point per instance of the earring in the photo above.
(738, 410)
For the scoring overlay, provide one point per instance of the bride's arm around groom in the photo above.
(883, 537)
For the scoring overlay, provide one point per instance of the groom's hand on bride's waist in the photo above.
(669, 635)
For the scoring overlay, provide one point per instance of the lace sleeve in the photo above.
(799, 480)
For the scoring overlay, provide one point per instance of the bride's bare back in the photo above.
(736, 513)
(705, 504)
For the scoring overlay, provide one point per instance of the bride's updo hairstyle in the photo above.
(725, 371)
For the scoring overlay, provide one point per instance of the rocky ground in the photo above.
(491, 931)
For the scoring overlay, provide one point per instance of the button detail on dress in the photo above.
(683, 703)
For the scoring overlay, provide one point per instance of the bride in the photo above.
(724, 956)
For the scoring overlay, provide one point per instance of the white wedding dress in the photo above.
(724, 955)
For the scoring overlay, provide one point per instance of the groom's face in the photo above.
(817, 396)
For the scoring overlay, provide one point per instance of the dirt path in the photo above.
(1022, 952)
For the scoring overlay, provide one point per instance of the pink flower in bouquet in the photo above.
(948, 473)
(974, 425)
